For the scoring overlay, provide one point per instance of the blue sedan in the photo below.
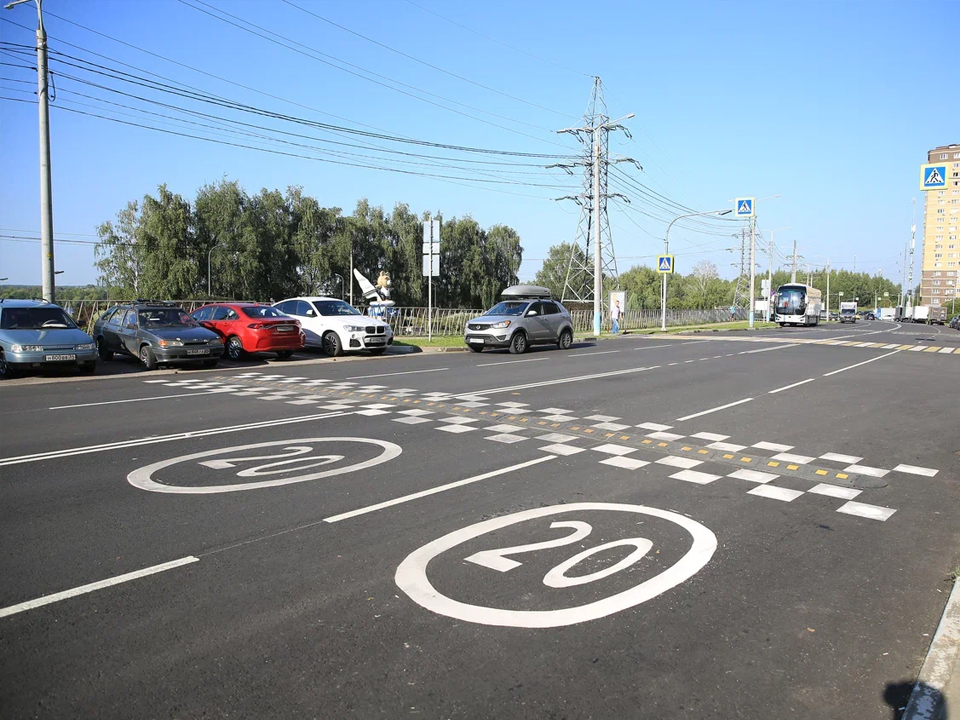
(35, 334)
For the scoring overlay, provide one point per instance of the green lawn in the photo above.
(437, 341)
(737, 325)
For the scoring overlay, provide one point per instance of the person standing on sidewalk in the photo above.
(615, 317)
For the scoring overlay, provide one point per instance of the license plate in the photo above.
(59, 358)
(376, 341)
(203, 351)
(285, 329)
(475, 340)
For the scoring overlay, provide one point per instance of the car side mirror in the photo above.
(311, 313)
(531, 313)
(131, 326)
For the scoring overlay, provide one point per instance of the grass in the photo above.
(436, 341)
(737, 325)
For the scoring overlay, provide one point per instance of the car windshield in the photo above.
(508, 308)
(165, 317)
(847, 311)
(790, 301)
(335, 307)
(262, 311)
(35, 318)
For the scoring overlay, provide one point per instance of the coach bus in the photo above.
(796, 304)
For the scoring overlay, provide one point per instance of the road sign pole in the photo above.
(753, 269)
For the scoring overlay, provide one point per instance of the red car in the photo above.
(250, 327)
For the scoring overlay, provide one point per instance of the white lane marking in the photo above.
(788, 387)
(764, 445)
(456, 429)
(871, 512)
(654, 426)
(510, 362)
(563, 449)
(506, 428)
(753, 476)
(778, 347)
(131, 400)
(53, 454)
(700, 478)
(434, 491)
(914, 470)
(611, 449)
(865, 470)
(602, 418)
(654, 347)
(604, 352)
(713, 410)
(834, 491)
(625, 462)
(727, 447)
(566, 380)
(775, 493)
(680, 462)
(411, 576)
(790, 458)
(405, 372)
(91, 587)
(837, 457)
(612, 427)
(850, 367)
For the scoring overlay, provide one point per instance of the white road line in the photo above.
(778, 347)
(54, 454)
(406, 372)
(850, 367)
(604, 352)
(146, 399)
(83, 589)
(914, 470)
(434, 491)
(670, 345)
(510, 362)
(713, 410)
(562, 381)
(788, 387)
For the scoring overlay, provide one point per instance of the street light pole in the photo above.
(666, 251)
(46, 184)
(209, 275)
(770, 271)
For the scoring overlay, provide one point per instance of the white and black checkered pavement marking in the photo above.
(695, 476)
(796, 459)
(914, 470)
(416, 412)
(371, 412)
(559, 418)
(472, 398)
(837, 457)
(276, 396)
(512, 405)
(776, 493)
(562, 449)
(334, 407)
(871, 512)
(835, 491)
(612, 427)
(661, 435)
(775, 447)
(627, 463)
(252, 392)
(455, 429)
(602, 418)
(680, 462)
(754, 476)
(473, 404)
(657, 427)
(506, 428)
(507, 438)
(554, 437)
(292, 380)
(726, 447)
(866, 470)
(303, 401)
(713, 437)
(409, 420)
(611, 449)
(553, 411)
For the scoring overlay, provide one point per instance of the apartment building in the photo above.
(940, 268)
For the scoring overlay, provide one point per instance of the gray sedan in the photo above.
(36, 334)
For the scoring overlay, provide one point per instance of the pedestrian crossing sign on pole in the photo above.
(744, 208)
(665, 264)
(933, 176)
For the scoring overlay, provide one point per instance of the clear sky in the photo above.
(827, 104)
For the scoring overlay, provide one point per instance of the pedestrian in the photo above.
(733, 313)
(615, 317)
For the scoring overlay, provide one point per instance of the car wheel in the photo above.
(518, 343)
(782, 324)
(331, 344)
(378, 351)
(103, 351)
(476, 348)
(285, 354)
(147, 357)
(88, 368)
(234, 348)
(566, 340)
(6, 369)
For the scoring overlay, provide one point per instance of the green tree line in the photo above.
(271, 245)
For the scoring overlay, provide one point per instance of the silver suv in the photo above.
(526, 316)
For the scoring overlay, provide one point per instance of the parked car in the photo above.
(156, 333)
(336, 326)
(36, 334)
(527, 316)
(251, 327)
(955, 322)
(869, 316)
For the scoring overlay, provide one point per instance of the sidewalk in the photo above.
(936, 695)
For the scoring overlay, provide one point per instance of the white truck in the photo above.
(887, 313)
(848, 312)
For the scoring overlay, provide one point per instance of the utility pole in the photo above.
(46, 184)
(753, 266)
(793, 272)
(903, 282)
(913, 244)
(828, 289)
(597, 265)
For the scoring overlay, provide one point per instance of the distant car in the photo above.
(250, 327)
(155, 333)
(336, 326)
(955, 322)
(526, 316)
(36, 334)
(834, 315)
(869, 316)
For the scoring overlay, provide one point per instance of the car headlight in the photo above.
(26, 348)
(353, 328)
(85, 346)
(216, 341)
(170, 343)
(502, 324)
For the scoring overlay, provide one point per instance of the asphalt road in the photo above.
(729, 525)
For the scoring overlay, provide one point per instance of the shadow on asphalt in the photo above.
(534, 349)
(897, 696)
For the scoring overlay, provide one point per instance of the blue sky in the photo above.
(823, 103)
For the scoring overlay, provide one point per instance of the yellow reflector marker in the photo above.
(842, 476)
(661, 444)
(703, 452)
(821, 472)
(746, 459)
(647, 442)
(773, 464)
(728, 457)
(793, 467)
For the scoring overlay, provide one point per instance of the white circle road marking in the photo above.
(143, 477)
(411, 575)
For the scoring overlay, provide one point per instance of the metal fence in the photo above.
(412, 321)
(650, 318)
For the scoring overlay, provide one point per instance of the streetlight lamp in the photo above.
(666, 251)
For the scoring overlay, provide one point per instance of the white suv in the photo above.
(336, 326)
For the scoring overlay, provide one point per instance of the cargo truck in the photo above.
(938, 315)
(848, 312)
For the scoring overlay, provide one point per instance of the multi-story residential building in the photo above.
(940, 268)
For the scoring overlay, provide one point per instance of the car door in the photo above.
(218, 321)
(552, 319)
(128, 333)
(110, 327)
(536, 327)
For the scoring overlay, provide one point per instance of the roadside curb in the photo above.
(940, 673)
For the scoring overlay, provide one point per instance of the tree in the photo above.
(553, 272)
(704, 273)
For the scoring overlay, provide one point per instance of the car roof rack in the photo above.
(526, 292)
(160, 303)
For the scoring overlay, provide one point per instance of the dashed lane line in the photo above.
(130, 400)
(405, 372)
(713, 410)
(789, 387)
(865, 362)
(563, 381)
(509, 362)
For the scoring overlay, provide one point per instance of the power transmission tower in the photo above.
(592, 257)
(740, 293)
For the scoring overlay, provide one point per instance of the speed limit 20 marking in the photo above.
(295, 457)
(411, 575)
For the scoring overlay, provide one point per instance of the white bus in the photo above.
(797, 304)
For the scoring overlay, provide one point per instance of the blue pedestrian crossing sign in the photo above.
(933, 176)
(665, 264)
(743, 208)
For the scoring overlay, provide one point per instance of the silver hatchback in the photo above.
(519, 323)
